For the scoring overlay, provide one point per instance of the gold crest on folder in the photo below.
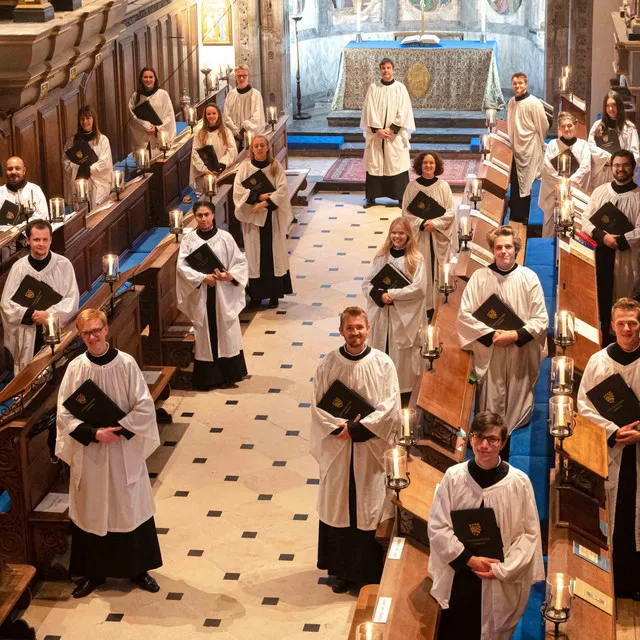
(79, 155)
(10, 215)
(29, 294)
(337, 403)
(609, 397)
(81, 399)
(475, 528)
(421, 205)
(387, 280)
(606, 219)
(492, 314)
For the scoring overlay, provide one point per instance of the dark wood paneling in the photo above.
(5, 141)
(70, 102)
(139, 216)
(119, 233)
(109, 102)
(95, 250)
(26, 142)
(127, 82)
(82, 272)
(51, 147)
(140, 48)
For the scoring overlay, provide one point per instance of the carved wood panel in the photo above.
(128, 77)
(5, 141)
(51, 148)
(119, 238)
(138, 216)
(69, 104)
(82, 274)
(94, 252)
(140, 49)
(109, 103)
(26, 142)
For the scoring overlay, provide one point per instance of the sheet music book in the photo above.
(498, 315)
(258, 183)
(608, 140)
(615, 400)
(91, 404)
(81, 153)
(425, 207)
(9, 213)
(342, 402)
(204, 260)
(35, 294)
(208, 156)
(479, 532)
(389, 278)
(145, 111)
(610, 219)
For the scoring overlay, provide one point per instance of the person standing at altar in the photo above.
(506, 363)
(611, 132)
(19, 191)
(213, 302)
(617, 256)
(143, 133)
(528, 125)
(352, 496)
(212, 133)
(111, 506)
(22, 324)
(484, 596)
(397, 314)
(243, 107)
(265, 217)
(567, 143)
(434, 237)
(623, 358)
(98, 173)
(387, 123)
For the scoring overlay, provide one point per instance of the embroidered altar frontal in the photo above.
(456, 75)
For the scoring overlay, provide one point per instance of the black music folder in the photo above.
(425, 207)
(498, 315)
(479, 532)
(608, 140)
(81, 153)
(572, 163)
(91, 404)
(258, 183)
(615, 400)
(9, 213)
(208, 156)
(610, 219)
(35, 294)
(145, 111)
(389, 278)
(204, 260)
(342, 402)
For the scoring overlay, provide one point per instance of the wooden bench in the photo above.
(15, 597)
(365, 608)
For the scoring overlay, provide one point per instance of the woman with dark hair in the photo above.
(602, 138)
(142, 131)
(213, 302)
(265, 218)
(78, 163)
(434, 237)
(212, 133)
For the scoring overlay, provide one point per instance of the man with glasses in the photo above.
(484, 597)
(243, 107)
(622, 358)
(111, 504)
(617, 255)
(21, 321)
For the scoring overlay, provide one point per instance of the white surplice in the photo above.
(598, 369)
(244, 111)
(374, 378)
(628, 138)
(251, 222)
(626, 269)
(191, 293)
(30, 193)
(441, 239)
(384, 106)
(20, 338)
(161, 103)
(528, 125)
(101, 177)
(506, 375)
(226, 154)
(550, 179)
(512, 499)
(400, 323)
(109, 488)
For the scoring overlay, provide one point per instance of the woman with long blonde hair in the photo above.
(265, 215)
(215, 134)
(397, 309)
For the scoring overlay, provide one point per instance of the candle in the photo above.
(369, 627)
(110, 266)
(406, 425)
(475, 188)
(175, 220)
(248, 137)
(566, 71)
(447, 268)
(57, 203)
(563, 324)
(464, 226)
(561, 371)
(430, 341)
(396, 464)
(273, 114)
(564, 163)
(142, 158)
(118, 178)
(566, 211)
(163, 139)
(56, 209)
(563, 84)
(81, 189)
(210, 183)
(491, 117)
(52, 329)
(358, 14)
(557, 602)
(191, 115)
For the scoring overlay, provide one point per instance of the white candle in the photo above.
(273, 114)
(447, 268)
(566, 71)
(110, 266)
(406, 426)
(396, 464)
(248, 137)
(563, 324)
(491, 117)
(163, 139)
(358, 14)
(192, 115)
(563, 84)
(561, 371)
(52, 330)
(475, 188)
(57, 208)
(209, 183)
(430, 342)
(464, 226)
(118, 178)
(557, 602)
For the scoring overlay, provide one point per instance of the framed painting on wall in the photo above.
(216, 24)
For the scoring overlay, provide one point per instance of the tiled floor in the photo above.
(235, 486)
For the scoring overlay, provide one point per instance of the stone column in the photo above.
(275, 55)
(246, 31)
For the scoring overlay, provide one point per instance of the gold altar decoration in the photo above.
(418, 80)
(215, 20)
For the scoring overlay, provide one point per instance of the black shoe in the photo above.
(85, 586)
(340, 586)
(369, 202)
(228, 385)
(273, 303)
(254, 303)
(146, 582)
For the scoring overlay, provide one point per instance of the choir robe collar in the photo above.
(387, 84)
(207, 235)
(397, 253)
(486, 478)
(494, 267)
(623, 188)
(245, 90)
(39, 265)
(359, 356)
(260, 164)
(148, 92)
(568, 142)
(108, 356)
(617, 353)
(16, 187)
(525, 95)
(427, 182)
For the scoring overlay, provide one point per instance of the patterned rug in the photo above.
(351, 170)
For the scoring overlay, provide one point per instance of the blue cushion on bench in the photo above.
(315, 142)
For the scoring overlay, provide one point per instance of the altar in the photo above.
(456, 75)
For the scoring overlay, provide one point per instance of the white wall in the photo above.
(603, 52)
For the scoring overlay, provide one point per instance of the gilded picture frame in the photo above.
(216, 23)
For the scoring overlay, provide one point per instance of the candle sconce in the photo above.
(211, 185)
(56, 209)
(564, 332)
(491, 119)
(176, 225)
(248, 139)
(192, 118)
(556, 607)
(164, 144)
(118, 183)
(563, 190)
(485, 146)
(82, 193)
(561, 417)
(562, 375)
(141, 158)
(475, 193)
(51, 331)
(564, 212)
(465, 233)
(111, 273)
(208, 85)
(431, 347)
(407, 437)
(447, 283)
(395, 466)
(273, 117)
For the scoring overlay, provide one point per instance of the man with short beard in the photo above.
(19, 191)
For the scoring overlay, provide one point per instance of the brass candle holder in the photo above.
(431, 347)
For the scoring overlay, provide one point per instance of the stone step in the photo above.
(423, 119)
(426, 134)
(354, 149)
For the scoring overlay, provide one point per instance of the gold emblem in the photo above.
(418, 80)
(609, 397)
(81, 399)
(421, 205)
(386, 280)
(29, 294)
(337, 403)
(606, 219)
(253, 181)
(605, 138)
(475, 528)
(492, 314)
(10, 215)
